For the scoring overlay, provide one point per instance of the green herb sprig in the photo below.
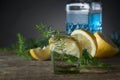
(86, 60)
(20, 47)
(47, 32)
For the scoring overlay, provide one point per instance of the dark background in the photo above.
(20, 16)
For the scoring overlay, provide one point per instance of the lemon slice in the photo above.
(66, 45)
(86, 40)
(106, 48)
(52, 40)
(40, 54)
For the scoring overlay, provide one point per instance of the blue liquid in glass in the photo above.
(95, 22)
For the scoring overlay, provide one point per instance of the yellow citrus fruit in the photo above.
(67, 45)
(40, 54)
(52, 40)
(106, 48)
(86, 40)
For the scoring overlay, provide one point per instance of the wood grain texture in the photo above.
(13, 67)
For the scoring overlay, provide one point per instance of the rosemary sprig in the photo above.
(20, 47)
(86, 60)
(47, 32)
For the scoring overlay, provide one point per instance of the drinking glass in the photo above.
(62, 62)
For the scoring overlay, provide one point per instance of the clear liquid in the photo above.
(64, 64)
(76, 20)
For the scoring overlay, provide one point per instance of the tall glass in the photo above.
(77, 16)
(95, 17)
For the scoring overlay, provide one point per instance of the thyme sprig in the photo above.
(47, 32)
(86, 60)
(20, 48)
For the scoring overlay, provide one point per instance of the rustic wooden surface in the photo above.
(13, 67)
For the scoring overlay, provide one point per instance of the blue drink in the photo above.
(95, 18)
(95, 23)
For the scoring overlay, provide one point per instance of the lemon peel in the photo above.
(40, 54)
(106, 48)
(86, 40)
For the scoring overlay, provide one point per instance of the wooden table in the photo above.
(13, 67)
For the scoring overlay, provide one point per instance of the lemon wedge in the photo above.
(86, 40)
(67, 45)
(106, 48)
(40, 54)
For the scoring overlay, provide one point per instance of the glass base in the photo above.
(61, 67)
(65, 64)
